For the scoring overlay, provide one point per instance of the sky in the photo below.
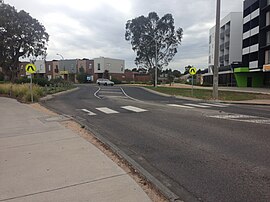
(95, 28)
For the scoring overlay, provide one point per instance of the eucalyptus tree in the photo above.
(20, 36)
(154, 40)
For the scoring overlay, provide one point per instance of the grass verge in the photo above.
(22, 93)
(205, 94)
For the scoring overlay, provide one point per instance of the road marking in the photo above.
(243, 118)
(134, 109)
(95, 94)
(129, 96)
(195, 105)
(233, 116)
(213, 105)
(181, 106)
(89, 112)
(107, 110)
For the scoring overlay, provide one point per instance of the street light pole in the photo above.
(156, 74)
(64, 65)
(60, 56)
(216, 54)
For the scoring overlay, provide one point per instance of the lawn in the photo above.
(207, 94)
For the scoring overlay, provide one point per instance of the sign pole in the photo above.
(31, 69)
(192, 87)
(31, 88)
(192, 72)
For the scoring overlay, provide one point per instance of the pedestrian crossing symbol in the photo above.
(30, 68)
(192, 71)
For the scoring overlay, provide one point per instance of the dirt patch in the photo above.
(148, 188)
(38, 107)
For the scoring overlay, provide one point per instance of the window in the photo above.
(246, 43)
(254, 23)
(122, 68)
(268, 38)
(98, 66)
(254, 40)
(267, 57)
(268, 18)
(247, 12)
(253, 56)
(49, 67)
(246, 27)
(56, 69)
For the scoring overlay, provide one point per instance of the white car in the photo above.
(105, 82)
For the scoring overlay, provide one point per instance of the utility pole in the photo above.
(156, 59)
(216, 54)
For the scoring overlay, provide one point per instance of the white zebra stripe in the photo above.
(181, 106)
(213, 105)
(134, 109)
(195, 105)
(89, 112)
(107, 110)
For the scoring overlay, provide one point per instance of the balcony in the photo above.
(221, 47)
(222, 34)
(227, 45)
(221, 59)
(227, 31)
(226, 57)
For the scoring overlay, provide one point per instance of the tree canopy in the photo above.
(151, 32)
(20, 36)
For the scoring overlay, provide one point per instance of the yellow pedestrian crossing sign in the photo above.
(30, 68)
(192, 71)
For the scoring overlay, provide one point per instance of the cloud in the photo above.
(93, 28)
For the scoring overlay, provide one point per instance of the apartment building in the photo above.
(52, 69)
(256, 45)
(69, 68)
(40, 72)
(230, 48)
(115, 67)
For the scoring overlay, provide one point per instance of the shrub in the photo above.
(82, 78)
(116, 81)
(2, 76)
(22, 80)
(41, 81)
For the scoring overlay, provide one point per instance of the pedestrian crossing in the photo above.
(199, 105)
(106, 110)
(121, 109)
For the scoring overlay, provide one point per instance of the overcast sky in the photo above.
(94, 28)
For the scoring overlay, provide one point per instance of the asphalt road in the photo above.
(201, 151)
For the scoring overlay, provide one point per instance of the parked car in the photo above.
(105, 82)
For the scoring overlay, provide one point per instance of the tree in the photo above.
(20, 36)
(187, 68)
(82, 77)
(176, 73)
(151, 32)
(106, 74)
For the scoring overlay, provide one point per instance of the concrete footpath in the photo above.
(41, 160)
